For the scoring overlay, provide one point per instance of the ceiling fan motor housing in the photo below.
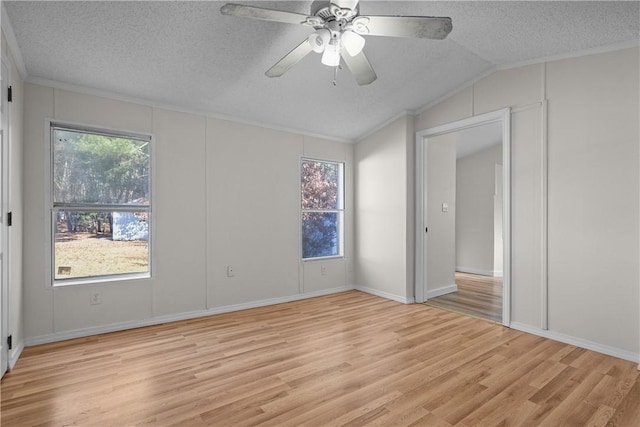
(331, 15)
(324, 9)
(330, 22)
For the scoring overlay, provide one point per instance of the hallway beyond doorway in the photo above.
(479, 296)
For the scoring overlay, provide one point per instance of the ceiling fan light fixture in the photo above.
(352, 42)
(331, 55)
(319, 40)
(360, 24)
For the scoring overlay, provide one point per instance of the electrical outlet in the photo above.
(323, 270)
(230, 271)
(95, 298)
(349, 267)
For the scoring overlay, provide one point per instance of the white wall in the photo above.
(441, 237)
(593, 197)
(224, 193)
(475, 211)
(383, 209)
(592, 277)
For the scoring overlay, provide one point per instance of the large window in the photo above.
(100, 210)
(322, 197)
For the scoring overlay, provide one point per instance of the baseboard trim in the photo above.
(578, 342)
(442, 291)
(492, 273)
(386, 295)
(96, 330)
(14, 354)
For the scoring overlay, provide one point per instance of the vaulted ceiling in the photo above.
(187, 55)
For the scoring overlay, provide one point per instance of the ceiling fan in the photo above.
(338, 33)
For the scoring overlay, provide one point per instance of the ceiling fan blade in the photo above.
(426, 27)
(242, 11)
(290, 59)
(360, 67)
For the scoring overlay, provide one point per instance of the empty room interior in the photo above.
(320, 213)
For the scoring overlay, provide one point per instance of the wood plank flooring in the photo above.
(479, 296)
(346, 359)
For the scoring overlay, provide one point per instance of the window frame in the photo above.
(340, 211)
(52, 207)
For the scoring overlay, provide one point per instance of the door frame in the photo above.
(502, 116)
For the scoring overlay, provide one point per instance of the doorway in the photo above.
(463, 216)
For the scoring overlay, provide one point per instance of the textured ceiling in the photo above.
(189, 56)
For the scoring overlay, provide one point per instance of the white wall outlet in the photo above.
(445, 207)
(323, 270)
(230, 271)
(349, 267)
(95, 298)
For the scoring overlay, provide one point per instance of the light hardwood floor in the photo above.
(344, 359)
(477, 295)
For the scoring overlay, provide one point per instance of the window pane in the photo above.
(320, 184)
(100, 243)
(320, 234)
(91, 168)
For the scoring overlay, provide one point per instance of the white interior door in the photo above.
(4, 286)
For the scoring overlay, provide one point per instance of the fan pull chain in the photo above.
(335, 74)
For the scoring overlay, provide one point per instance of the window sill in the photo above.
(323, 258)
(100, 279)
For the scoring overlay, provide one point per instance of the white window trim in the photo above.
(340, 211)
(51, 281)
